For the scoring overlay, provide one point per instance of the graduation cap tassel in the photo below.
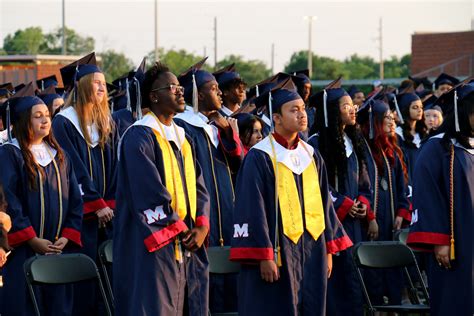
(325, 99)
(195, 95)
(9, 130)
(397, 108)
(451, 202)
(127, 93)
(456, 115)
(257, 93)
(42, 85)
(371, 122)
(270, 110)
(139, 99)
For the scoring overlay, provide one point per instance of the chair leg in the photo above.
(108, 285)
(104, 296)
(33, 299)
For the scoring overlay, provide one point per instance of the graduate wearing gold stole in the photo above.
(285, 227)
(163, 210)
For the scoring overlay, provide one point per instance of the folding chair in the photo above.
(219, 263)
(61, 269)
(384, 255)
(106, 259)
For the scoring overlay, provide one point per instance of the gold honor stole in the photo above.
(174, 183)
(290, 207)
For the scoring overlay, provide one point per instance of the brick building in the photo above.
(434, 53)
(25, 68)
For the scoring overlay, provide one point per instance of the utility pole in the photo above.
(215, 43)
(205, 52)
(273, 58)
(381, 74)
(157, 57)
(63, 50)
(310, 19)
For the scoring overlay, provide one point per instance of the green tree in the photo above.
(324, 68)
(397, 67)
(27, 41)
(358, 67)
(115, 64)
(252, 71)
(75, 43)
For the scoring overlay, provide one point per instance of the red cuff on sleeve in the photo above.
(428, 238)
(164, 236)
(72, 235)
(110, 203)
(20, 236)
(202, 221)
(406, 214)
(237, 151)
(92, 206)
(344, 208)
(249, 254)
(339, 244)
(370, 214)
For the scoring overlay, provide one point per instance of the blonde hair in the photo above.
(90, 111)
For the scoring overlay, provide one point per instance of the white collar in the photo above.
(3, 136)
(297, 160)
(348, 145)
(266, 120)
(416, 138)
(40, 152)
(226, 111)
(200, 120)
(71, 114)
(399, 132)
(177, 137)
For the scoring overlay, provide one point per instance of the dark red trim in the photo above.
(344, 208)
(93, 206)
(164, 236)
(282, 141)
(72, 235)
(238, 150)
(339, 244)
(110, 203)
(20, 236)
(406, 214)
(428, 238)
(243, 254)
(370, 214)
(202, 221)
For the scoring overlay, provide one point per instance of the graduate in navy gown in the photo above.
(285, 249)
(219, 153)
(250, 129)
(163, 214)
(340, 143)
(443, 191)
(5, 226)
(412, 129)
(232, 87)
(130, 87)
(52, 99)
(304, 87)
(85, 130)
(388, 176)
(44, 203)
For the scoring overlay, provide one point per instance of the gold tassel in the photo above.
(451, 255)
(278, 257)
(177, 251)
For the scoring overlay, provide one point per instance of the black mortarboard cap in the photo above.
(77, 69)
(44, 83)
(445, 79)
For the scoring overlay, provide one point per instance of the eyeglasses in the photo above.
(389, 118)
(175, 89)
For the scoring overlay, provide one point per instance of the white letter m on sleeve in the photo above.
(241, 231)
(154, 215)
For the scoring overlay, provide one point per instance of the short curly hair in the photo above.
(151, 75)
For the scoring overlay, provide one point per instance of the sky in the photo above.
(247, 28)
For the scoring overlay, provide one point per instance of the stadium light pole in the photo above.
(310, 19)
(63, 50)
(157, 57)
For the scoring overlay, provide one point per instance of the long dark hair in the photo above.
(24, 135)
(331, 142)
(246, 128)
(420, 128)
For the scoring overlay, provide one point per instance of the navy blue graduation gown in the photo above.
(387, 282)
(344, 292)
(147, 278)
(24, 209)
(301, 289)
(218, 165)
(123, 119)
(98, 192)
(410, 155)
(450, 290)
